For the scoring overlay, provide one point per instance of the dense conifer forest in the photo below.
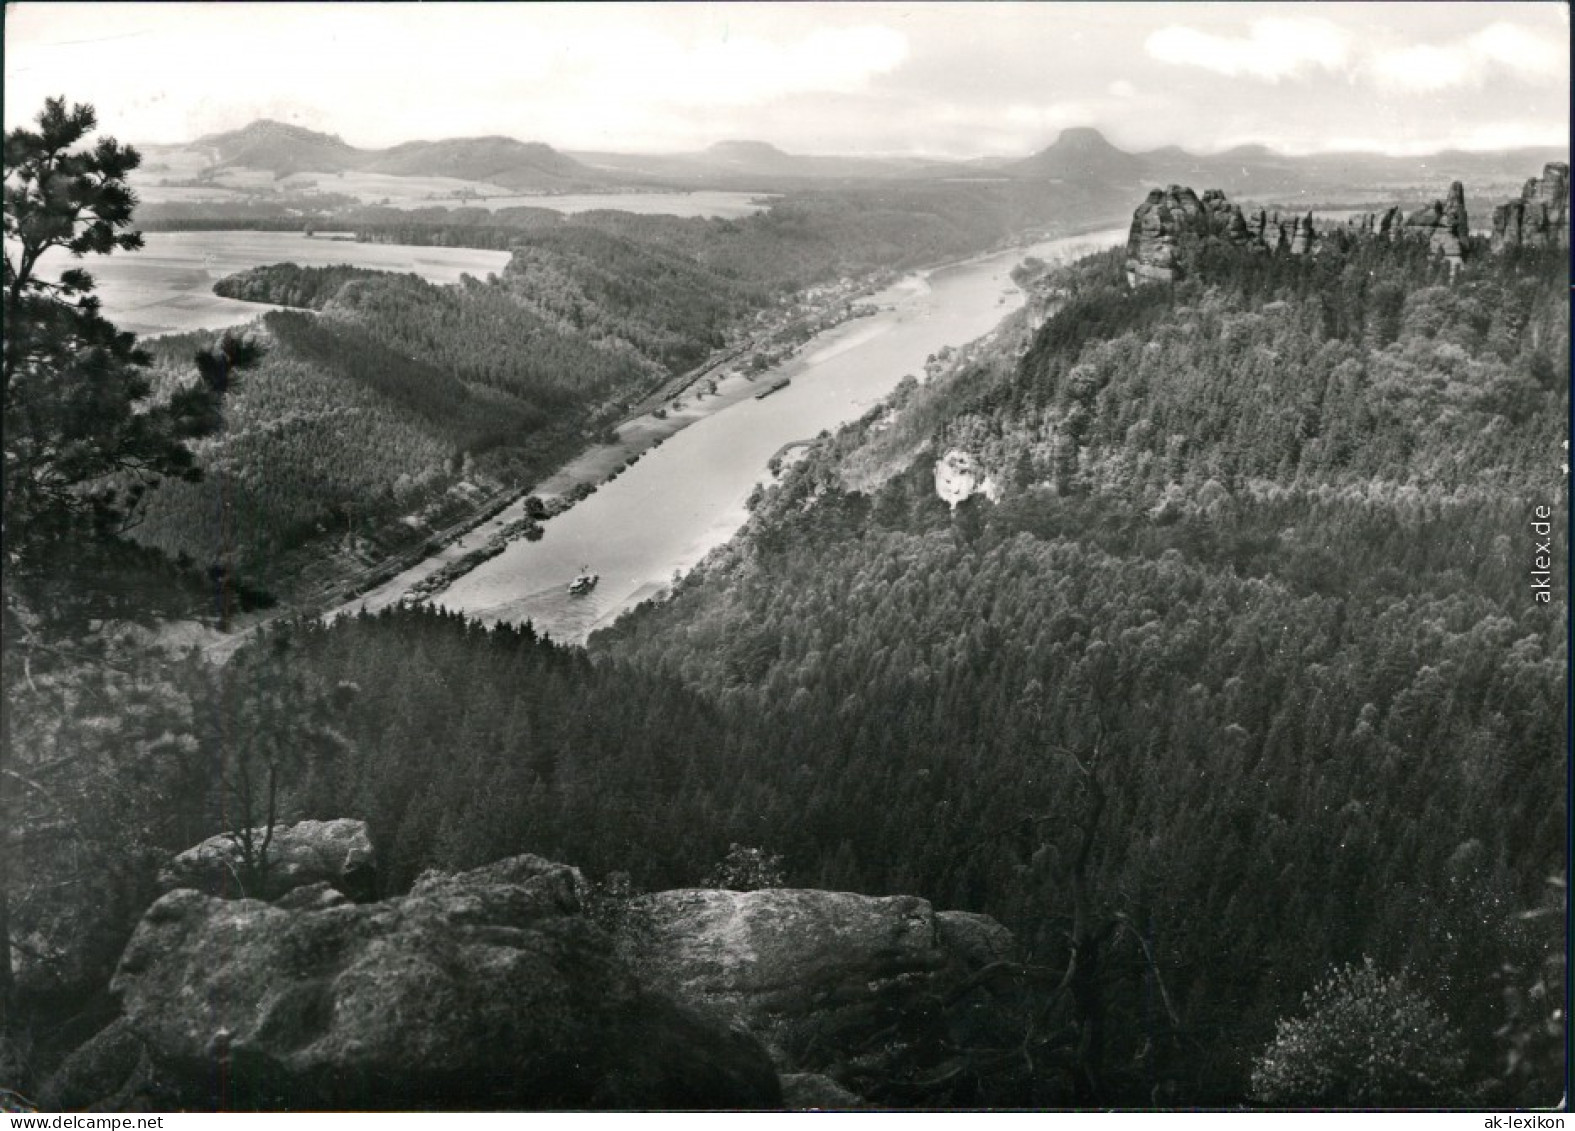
(1264, 547)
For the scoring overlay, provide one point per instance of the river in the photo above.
(167, 287)
(687, 496)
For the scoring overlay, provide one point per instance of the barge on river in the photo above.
(782, 384)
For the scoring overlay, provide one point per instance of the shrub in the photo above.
(1366, 1039)
(746, 869)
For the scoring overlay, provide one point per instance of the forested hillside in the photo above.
(1263, 562)
(401, 396)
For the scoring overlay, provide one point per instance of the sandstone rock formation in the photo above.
(1386, 225)
(338, 853)
(1157, 226)
(1173, 221)
(854, 987)
(480, 990)
(1444, 225)
(1301, 235)
(1541, 217)
(493, 989)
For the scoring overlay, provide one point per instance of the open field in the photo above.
(170, 178)
(703, 203)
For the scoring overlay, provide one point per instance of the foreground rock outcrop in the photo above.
(870, 993)
(1541, 217)
(338, 853)
(486, 989)
(495, 988)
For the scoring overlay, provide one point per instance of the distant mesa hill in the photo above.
(499, 160)
(755, 154)
(1082, 154)
(1081, 159)
(282, 149)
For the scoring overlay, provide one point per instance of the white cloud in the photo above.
(1470, 60)
(576, 74)
(1055, 116)
(1121, 88)
(1273, 48)
(736, 70)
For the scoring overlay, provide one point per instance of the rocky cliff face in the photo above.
(1541, 217)
(338, 853)
(1161, 223)
(867, 992)
(481, 990)
(1173, 222)
(1386, 225)
(494, 989)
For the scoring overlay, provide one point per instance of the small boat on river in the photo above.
(583, 584)
(782, 384)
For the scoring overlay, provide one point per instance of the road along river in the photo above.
(682, 499)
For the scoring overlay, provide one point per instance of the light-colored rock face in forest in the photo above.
(959, 476)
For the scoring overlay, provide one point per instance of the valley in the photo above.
(681, 500)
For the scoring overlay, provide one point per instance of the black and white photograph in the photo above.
(785, 557)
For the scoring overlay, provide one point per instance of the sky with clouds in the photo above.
(934, 78)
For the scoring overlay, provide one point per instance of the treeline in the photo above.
(658, 301)
(287, 284)
(317, 449)
(801, 239)
(809, 237)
